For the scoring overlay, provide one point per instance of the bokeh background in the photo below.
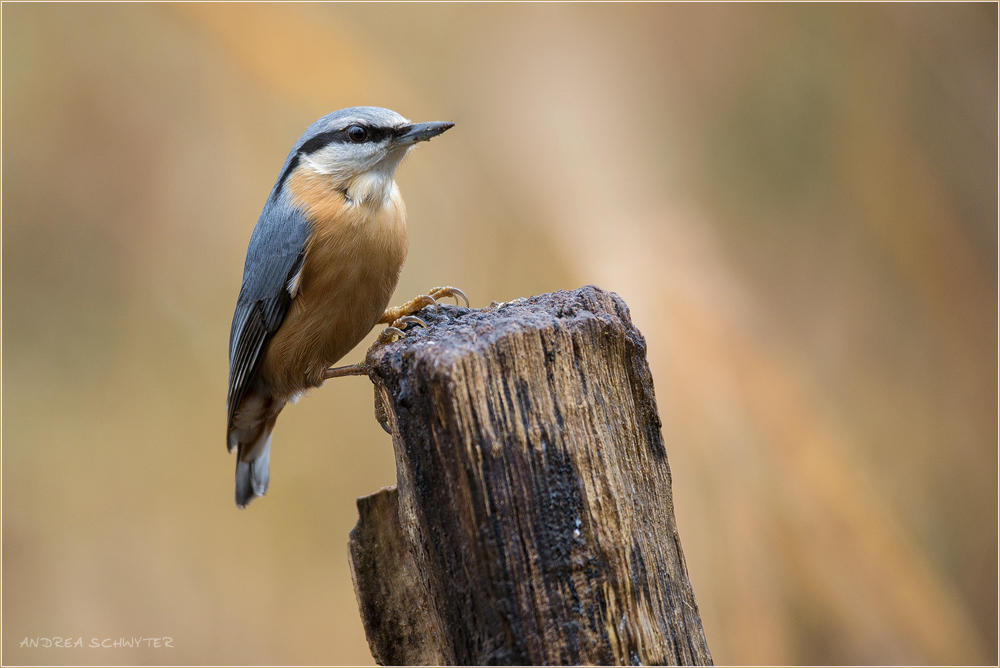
(798, 203)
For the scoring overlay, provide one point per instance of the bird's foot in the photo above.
(397, 329)
(393, 314)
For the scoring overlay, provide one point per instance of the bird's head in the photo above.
(359, 149)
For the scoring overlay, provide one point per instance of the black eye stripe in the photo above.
(323, 139)
(317, 142)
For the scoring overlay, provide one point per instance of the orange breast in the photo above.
(352, 264)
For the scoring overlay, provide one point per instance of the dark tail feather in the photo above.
(253, 476)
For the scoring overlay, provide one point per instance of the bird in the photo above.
(322, 264)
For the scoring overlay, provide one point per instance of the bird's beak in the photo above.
(421, 132)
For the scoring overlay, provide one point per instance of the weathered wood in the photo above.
(395, 607)
(533, 522)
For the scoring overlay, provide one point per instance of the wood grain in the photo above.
(532, 521)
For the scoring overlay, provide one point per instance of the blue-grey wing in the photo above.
(274, 257)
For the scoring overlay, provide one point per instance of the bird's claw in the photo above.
(422, 302)
(407, 319)
(397, 328)
(387, 335)
(448, 291)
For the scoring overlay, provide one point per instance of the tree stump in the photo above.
(532, 521)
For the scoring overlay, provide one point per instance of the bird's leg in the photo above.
(397, 318)
(385, 337)
(350, 370)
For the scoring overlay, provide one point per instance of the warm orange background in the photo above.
(798, 202)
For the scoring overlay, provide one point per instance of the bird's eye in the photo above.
(357, 134)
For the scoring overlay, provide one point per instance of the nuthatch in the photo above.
(322, 263)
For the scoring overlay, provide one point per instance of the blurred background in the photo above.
(798, 203)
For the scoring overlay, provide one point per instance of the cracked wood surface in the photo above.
(532, 521)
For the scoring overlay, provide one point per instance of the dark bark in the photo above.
(533, 522)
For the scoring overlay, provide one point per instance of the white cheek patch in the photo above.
(343, 160)
(328, 161)
(317, 166)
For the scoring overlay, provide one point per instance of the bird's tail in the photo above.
(253, 471)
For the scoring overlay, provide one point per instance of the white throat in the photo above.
(372, 186)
